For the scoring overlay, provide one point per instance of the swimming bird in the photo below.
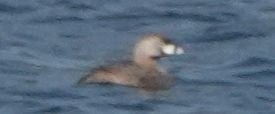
(143, 70)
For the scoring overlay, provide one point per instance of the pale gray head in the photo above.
(153, 47)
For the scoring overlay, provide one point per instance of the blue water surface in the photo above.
(47, 45)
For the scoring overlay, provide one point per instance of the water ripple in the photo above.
(165, 102)
(266, 99)
(229, 36)
(56, 19)
(82, 7)
(21, 68)
(133, 107)
(166, 15)
(268, 9)
(192, 4)
(8, 9)
(254, 61)
(268, 73)
(53, 94)
(58, 109)
(201, 82)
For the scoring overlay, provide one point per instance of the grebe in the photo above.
(141, 72)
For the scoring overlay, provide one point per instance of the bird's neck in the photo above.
(146, 62)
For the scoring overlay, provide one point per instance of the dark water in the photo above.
(47, 45)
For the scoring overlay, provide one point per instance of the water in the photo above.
(47, 45)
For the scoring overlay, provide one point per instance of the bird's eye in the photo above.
(167, 41)
(156, 57)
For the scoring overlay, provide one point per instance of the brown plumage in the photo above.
(143, 71)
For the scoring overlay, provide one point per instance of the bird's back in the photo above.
(130, 74)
